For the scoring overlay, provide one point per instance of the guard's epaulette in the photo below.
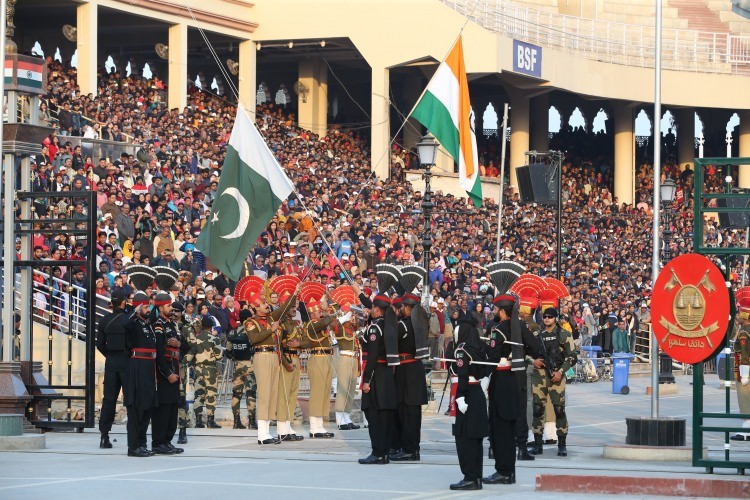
(255, 324)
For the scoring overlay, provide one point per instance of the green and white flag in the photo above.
(252, 186)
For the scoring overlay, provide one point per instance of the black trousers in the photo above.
(410, 419)
(522, 425)
(138, 420)
(115, 376)
(380, 426)
(163, 423)
(470, 457)
(503, 442)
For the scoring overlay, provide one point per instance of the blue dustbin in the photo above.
(621, 369)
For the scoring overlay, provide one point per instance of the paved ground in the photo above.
(230, 463)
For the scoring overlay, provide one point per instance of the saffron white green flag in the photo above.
(252, 186)
(445, 109)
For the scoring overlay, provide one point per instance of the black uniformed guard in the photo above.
(140, 389)
(111, 343)
(503, 394)
(164, 420)
(471, 425)
(411, 385)
(378, 387)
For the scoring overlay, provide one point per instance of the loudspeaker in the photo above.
(537, 183)
(736, 219)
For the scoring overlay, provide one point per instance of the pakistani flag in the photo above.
(252, 186)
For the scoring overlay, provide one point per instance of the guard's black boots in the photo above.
(211, 424)
(251, 422)
(523, 452)
(538, 447)
(199, 422)
(104, 442)
(238, 423)
(182, 438)
(562, 449)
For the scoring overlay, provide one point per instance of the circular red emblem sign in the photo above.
(690, 308)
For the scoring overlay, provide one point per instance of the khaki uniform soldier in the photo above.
(319, 368)
(263, 331)
(742, 360)
(205, 353)
(240, 351)
(347, 371)
(286, 404)
(548, 380)
(187, 330)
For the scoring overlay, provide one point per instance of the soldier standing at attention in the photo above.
(205, 353)
(378, 385)
(471, 425)
(187, 334)
(411, 384)
(140, 389)
(168, 369)
(288, 376)
(111, 343)
(548, 380)
(347, 371)
(319, 367)
(240, 350)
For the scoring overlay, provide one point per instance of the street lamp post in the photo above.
(427, 150)
(667, 191)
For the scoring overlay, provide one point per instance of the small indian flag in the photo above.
(28, 74)
(445, 109)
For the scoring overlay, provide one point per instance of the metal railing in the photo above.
(609, 41)
(61, 303)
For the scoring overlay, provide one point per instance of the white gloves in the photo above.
(485, 384)
(345, 318)
(744, 374)
(462, 405)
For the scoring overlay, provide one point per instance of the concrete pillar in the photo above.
(540, 123)
(685, 136)
(88, 33)
(519, 134)
(247, 84)
(624, 125)
(412, 131)
(178, 74)
(380, 122)
(313, 103)
(744, 138)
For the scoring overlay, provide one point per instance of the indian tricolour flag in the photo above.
(252, 186)
(28, 74)
(445, 109)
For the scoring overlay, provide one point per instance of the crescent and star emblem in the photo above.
(244, 213)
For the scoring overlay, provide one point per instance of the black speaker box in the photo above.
(525, 191)
(537, 183)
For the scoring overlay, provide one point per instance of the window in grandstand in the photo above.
(73, 60)
(490, 121)
(555, 120)
(36, 50)
(147, 73)
(643, 124)
(282, 96)
(200, 81)
(109, 65)
(262, 96)
(600, 122)
(128, 69)
(217, 85)
(577, 120)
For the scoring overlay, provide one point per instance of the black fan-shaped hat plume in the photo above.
(141, 276)
(166, 277)
(504, 273)
(388, 277)
(411, 276)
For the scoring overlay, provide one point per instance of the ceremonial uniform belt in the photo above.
(265, 348)
(351, 354)
(172, 353)
(405, 358)
(321, 351)
(143, 353)
(473, 381)
(291, 352)
(502, 368)
(382, 361)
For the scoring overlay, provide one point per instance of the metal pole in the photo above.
(656, 208)
(427, 206)
(744, 258)
(502, 178)
(557, 158)
(9, 248)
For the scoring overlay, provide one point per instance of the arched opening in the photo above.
(577, 120)
(36, 50)
(262, 96)
(555, 120)
(599, 125)
(490, 121)
(109, 65)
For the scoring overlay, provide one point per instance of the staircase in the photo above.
(699, 16)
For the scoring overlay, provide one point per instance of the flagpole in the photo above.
(501, 133)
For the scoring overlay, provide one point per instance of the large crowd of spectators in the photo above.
(341, 221)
